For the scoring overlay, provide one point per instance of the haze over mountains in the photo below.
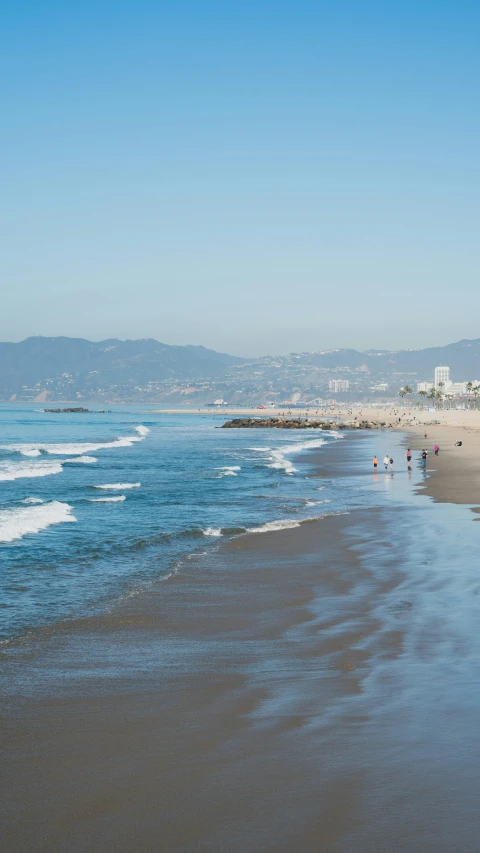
(61, 368)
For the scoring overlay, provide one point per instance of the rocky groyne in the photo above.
(299, 423)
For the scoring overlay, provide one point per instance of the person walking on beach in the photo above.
(386, 462)
(424, 458)
(375, 463)
(391, 464)
(436, 449)
(409, 457)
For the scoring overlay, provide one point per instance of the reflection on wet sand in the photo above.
(311, 689)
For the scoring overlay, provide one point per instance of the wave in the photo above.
(287, 523)
(276, 456)
(107, 500)
(85, 460)
(17, 523)
(76, 448)
(32, 501)
(213, 531)
(117, 486)
(228, 470)
(18, 470)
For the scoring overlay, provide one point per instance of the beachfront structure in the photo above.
(338, 385)
(424, 387)
(442, 375)
(455, 389)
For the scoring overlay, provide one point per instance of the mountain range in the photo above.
(62, 368)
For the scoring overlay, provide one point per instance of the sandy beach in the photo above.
(296, 691)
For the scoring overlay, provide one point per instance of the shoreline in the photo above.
(238, 704)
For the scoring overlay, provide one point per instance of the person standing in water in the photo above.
(424, 458)
(375, 463)
(386, 461)
(391, 464)
(436, 449)
(409, 457)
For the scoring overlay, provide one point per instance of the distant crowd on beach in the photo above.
(388, 461)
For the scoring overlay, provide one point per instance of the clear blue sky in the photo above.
(253, 176)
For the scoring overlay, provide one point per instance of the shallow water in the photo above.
(95, 505)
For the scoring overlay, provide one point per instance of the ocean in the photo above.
(94, 507)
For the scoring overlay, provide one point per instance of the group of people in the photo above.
(388, 461)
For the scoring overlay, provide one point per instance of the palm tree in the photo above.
(475, 392)
(402, 393)
(422, 394)
(407, 389)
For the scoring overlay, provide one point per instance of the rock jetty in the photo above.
(298, 423)
(57, 411)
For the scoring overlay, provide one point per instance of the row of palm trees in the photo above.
(436, 395)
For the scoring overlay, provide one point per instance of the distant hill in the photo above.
(89, 365)
(47, 369)
(462, 357)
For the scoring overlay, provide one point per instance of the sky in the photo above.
(257, 177)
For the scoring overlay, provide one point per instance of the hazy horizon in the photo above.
(258, 179)
(248, 356)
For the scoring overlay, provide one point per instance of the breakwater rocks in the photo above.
(298, 423)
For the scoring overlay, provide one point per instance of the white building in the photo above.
(424, 386)
(442, 375)
(338, 385)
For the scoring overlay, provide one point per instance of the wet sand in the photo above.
(313, 689)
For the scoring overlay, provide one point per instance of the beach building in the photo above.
(442, 375)
(338, 385)
(455, 389)
(424, 386)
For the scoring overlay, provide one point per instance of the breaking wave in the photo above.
(18, 470)
(111, 500)
(118, 486)
(17, 523)
(76, 448)
(276, 456)
(228, 470)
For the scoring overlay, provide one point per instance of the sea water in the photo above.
(94, 505)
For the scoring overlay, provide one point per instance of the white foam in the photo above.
(117, 486)
(276, 456)
(85, 460)
(32, 501)
(212, 531)
(17, 523)
(108, 500)
(18, 470)
(228, 470)
(76, 448)
(274, 525)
